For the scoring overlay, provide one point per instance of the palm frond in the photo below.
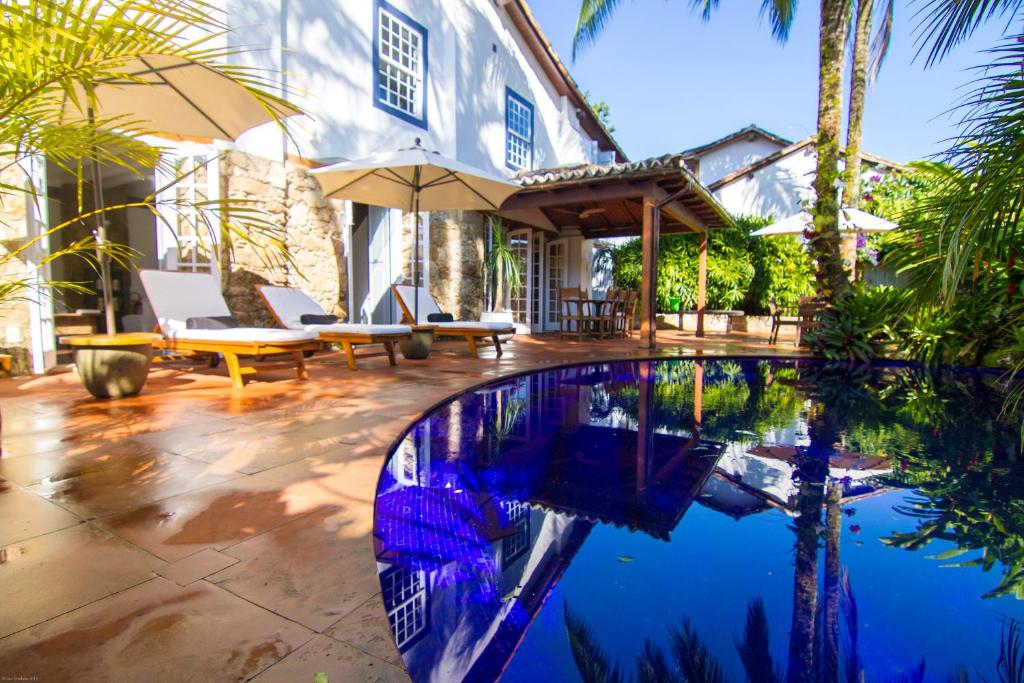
(652, 667)
(591, 23)
(592, 661)
(882, 38)
(755, 648)
(780, 15)
(944, 24)
(693, 657)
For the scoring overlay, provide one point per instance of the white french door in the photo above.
(520, 300)
(554, 279)
(187, 237)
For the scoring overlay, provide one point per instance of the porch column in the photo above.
(702, 281)
(649, 273)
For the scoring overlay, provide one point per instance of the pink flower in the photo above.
(875, 178)
(855, 528)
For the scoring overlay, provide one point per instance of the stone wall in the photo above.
(306, 224)
(15, 323)
(457, 262)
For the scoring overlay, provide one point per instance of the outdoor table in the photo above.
(595, 308)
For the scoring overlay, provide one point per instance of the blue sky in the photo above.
(673, 82)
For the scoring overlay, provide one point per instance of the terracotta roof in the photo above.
(522, 17)
(559, 174)
(752, 129)
(616, 190)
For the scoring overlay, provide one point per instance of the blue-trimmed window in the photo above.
(400, 64)
(518, 131)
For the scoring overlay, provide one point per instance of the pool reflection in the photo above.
(484, 506)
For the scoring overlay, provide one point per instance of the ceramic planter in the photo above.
(113, 366)
(419, 345)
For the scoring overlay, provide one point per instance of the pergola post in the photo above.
(649, 273)
(702, 280)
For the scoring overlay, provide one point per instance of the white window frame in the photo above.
(408, 60)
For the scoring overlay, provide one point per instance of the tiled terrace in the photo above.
(198, 534)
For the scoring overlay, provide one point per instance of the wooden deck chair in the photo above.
(176, 297)
(474, 332)
(288, 305)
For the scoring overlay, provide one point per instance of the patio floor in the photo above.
(195, 533)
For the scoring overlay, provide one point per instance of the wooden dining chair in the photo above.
(572, 317)
(632, 297)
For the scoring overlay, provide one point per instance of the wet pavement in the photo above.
(199, 533)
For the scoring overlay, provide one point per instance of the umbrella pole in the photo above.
(101, 240)
(416, 244)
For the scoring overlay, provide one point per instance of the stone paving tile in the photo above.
(43, 577)
(366, 628)
(313, 570)
(215, 517)
(156, 631)
(195, 567)
(341, 662)
(110, 478)
(24, 515)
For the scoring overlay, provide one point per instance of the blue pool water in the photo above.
(781, 520)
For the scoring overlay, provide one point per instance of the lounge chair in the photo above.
(289, 305)
(177, 297)
(474, 332)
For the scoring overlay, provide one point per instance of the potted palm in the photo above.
(505, 270)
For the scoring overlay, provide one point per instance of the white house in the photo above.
(474, 79)
(753, 172)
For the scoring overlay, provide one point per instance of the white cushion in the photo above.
(243, 334)
(408, 293)
(470, 325)
(352, 328)
(176, 297)
(289, 305)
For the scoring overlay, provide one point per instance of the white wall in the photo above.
(722, 161)
(778, 189)
(473, 53)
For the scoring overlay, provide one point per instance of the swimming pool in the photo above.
(764, 517)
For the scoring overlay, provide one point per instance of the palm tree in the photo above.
(867, 60)
(835, 18)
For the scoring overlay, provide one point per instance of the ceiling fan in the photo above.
(582, 213)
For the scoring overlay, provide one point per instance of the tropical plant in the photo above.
(742, 270)
(824, 237)
(503, 265)
(858, 327)
(55, 52)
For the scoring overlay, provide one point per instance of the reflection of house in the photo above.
(755, 172)
(767, 471)
(730, 498)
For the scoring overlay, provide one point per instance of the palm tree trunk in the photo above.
(834, 27)
(833, 525)
(802, 666)
(858, 90)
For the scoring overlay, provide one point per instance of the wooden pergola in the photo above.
(642, 198)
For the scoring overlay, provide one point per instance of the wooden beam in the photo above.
(702, 281)
(649, 273)
(543, 199)
(675, 208)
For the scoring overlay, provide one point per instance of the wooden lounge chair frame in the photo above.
(473, 336)
(347, 340)
(232, 350)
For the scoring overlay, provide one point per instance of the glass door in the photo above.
(554, 280)
(520, 300)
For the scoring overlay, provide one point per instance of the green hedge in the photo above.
(743, 272)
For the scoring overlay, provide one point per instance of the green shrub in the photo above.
(743, 271)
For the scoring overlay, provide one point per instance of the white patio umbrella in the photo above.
(415, 179)
(170, 95)
(850, 220)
